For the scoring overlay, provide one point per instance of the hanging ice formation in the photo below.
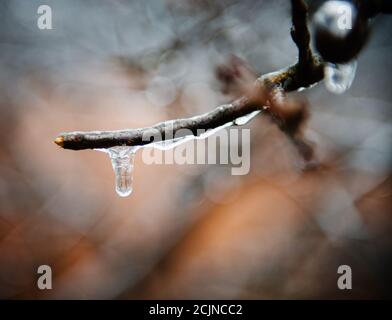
(339, 77)
(122, 157)
(122, 162)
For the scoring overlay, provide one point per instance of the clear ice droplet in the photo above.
(122, 162)
(339, 77)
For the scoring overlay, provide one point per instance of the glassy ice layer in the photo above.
(339, 77)
(122, 162)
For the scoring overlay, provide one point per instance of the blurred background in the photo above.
(187, 231)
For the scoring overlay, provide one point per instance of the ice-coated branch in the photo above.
(307, 71)
(167, 129)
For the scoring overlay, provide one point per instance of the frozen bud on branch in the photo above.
(341, 30)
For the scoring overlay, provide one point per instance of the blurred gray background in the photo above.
(187, 231)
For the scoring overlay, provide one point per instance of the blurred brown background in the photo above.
(189, 231)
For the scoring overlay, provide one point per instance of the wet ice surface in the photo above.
(122, 158)
(336, 17)
(339, 77)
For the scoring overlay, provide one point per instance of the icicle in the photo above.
(122, 163)
(339, 77)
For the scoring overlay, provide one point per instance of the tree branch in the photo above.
(307, 71)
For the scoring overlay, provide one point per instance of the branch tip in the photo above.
(59, 141)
